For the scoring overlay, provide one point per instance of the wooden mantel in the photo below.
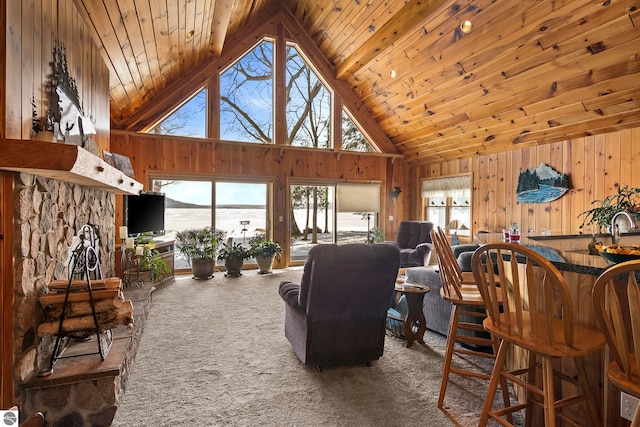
(64, 162)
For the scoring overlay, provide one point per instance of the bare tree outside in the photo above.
(188, 120)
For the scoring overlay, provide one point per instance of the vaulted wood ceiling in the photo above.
(530, 72)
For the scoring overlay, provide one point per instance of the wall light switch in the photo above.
(280, 218)
(390, 217)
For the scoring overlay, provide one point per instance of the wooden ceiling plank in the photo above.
(584, 126)
(517, 100)
(411, 15)
(176, 19)
(96, 17)
(117, 23)
(531, 59)
(608, 99)
(131, 23)
(526, 58)
(219, 26)
(357, 27)
(143, 9)
(159, 16)
(607, 12)
(202, 30)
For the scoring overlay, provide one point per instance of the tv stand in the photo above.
(166, 249)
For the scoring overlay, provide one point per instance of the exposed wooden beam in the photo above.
(409, 16)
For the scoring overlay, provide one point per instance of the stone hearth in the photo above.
(85, 390)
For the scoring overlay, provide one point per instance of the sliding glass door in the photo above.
(240, 209)
(314, 220)
(241, 212)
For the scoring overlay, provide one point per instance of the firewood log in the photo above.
(58, 298)
(106, 320)
(80, 308)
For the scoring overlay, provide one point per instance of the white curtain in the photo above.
(358, 197)
(452, 186)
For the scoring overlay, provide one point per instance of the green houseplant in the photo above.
(153, 263)
(375, 235)
(233, 255)
(199, 246)
(265, 251)
(600, 215)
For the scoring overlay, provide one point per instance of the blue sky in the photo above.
(199, 192)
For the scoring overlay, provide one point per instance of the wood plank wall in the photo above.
(596, 165)
(32, 27)
(153, 156)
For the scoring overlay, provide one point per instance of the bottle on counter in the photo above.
(514, 233)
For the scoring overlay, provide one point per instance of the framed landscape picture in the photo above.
(124, 164)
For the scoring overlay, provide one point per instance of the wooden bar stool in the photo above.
(537, 316)
(617, 307)
(462, 292)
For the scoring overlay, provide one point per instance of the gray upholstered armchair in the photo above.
(337, 314)
(414, 242)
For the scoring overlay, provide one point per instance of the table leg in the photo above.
(414, 314)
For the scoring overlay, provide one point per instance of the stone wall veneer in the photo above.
(47, 215)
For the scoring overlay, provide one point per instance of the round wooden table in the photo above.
(415, 324)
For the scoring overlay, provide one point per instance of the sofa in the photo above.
(437, 312)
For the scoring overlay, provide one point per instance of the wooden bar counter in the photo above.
(580, 270)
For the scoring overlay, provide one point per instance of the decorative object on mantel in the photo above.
(65, 117)
(541, 185)
(123, 164)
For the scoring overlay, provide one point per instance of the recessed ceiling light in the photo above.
(393, 74)
(190, 34)
(466, 27)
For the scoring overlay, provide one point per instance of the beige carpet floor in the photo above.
(213, 353)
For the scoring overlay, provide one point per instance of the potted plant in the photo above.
(375, 236)
(153, 263)
(627, 199)
(199, 246)
(233, 255)
(264, 252)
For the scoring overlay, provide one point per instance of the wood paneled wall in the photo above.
(153, 156)
(32, 28)
(596, 165)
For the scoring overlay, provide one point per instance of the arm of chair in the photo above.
(463, 254)
(290, 293)
(458, 249)
(425, 250)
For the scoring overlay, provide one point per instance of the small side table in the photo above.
(415, 316)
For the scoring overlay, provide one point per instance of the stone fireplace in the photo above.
(47, 214)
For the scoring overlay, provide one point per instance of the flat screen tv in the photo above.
(144, 213)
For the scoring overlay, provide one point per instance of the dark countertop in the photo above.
(576, 261)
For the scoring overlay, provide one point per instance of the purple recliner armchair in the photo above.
(414, 242)
(337, 314)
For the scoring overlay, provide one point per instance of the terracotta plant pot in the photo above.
(202, 268)
(234, 266)
(265, 263)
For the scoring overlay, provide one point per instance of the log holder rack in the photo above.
(83, 264)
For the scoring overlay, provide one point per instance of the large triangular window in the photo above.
(308, 104)
(352, 137)
(246, 97)
(189, 119)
